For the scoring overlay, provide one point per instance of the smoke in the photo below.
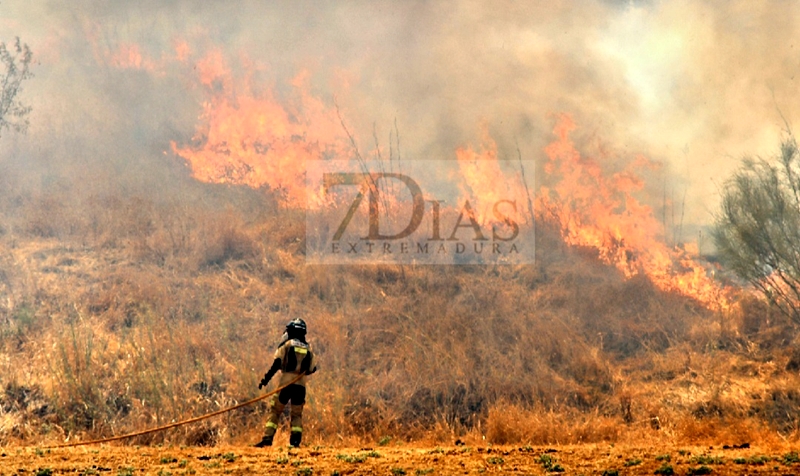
(695, 85)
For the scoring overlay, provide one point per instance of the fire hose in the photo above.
(178, 423)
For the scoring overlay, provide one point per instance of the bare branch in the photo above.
(15, 61)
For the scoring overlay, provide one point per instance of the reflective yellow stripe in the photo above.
(297, 429)
(272, 425)
(300, 350)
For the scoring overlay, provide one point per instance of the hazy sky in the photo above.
(693, 84)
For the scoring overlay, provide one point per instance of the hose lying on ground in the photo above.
(176, 424)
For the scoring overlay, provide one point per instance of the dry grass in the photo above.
(137, 311)
(513, 424)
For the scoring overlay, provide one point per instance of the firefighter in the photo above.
(293, 357)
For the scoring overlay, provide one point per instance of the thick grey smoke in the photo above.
(695, 85)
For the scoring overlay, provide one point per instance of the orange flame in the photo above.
(253, 139)
(486, 181)
(600, 212)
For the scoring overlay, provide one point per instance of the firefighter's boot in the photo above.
(266, 441)
(295, 438)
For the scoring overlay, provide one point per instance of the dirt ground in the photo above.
(396, 460)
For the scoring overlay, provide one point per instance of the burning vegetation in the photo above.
(126, 306)
(257, 142)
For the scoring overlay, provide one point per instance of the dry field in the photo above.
(104, 338)
(123, 313)
(411, 460)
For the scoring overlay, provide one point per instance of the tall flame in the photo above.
(254, 139)
(257, 139)
(488, 182)
(598, 211)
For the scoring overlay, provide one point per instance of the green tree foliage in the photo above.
(15, 60)
(757, 232)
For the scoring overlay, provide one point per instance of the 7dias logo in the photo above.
(419, 212)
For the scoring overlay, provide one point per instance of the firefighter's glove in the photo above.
(264, 381)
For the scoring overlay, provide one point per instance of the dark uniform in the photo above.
(293, 358)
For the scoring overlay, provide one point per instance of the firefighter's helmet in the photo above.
(296, 326)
